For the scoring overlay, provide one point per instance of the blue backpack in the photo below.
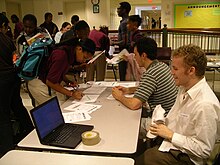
(33, 57)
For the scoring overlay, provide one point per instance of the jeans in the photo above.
(11, 102)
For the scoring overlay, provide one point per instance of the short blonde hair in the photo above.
(192, 56)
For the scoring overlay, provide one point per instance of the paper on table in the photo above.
(97, 55)
(94, 90)
(157, 116)
(87, 99)
(110, 97)
(127, 84)
(72, 117)
(114, 83)
(106, 84)
(80, 107)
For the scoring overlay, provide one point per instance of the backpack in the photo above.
(33, 57)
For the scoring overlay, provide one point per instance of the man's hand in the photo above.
(162, 131)
(123, 89)
(117, 93)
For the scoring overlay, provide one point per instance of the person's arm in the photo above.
(204, 126)
(59, 88)
(132, 103)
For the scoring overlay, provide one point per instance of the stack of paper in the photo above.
(79, 112)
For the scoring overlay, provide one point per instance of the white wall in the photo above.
(101, 18)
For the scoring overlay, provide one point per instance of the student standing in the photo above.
(65, 27)
(18, 26)
(56, 68)
(10, 100)
(101, 39)
(123, 35)
(49, 25)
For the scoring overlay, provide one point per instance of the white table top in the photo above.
(118, 127)
(19, 157)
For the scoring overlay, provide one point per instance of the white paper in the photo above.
(118, 57)
(157, 116)
(106, 84)
(97, 55)
(81, 107)
(127, 84)
(110, 97)
(72, 117)
(94, 90)
(87, 99)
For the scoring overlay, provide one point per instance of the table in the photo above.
(118, 127)
(19, 157)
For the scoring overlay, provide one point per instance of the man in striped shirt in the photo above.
(156, 85)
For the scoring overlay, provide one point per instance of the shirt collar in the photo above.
(152, 64)
(193, 91)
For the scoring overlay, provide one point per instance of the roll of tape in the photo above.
(90, 138)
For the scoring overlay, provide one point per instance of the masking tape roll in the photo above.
(90, 138)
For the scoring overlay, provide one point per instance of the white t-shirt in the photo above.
(58, 36)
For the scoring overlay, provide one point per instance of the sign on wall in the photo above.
(197, 15)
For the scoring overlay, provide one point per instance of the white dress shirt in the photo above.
(195, 121)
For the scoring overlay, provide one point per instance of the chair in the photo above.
(164, 54)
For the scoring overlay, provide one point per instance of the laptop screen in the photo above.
(47, 117)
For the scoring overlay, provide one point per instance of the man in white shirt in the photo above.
(193, 124)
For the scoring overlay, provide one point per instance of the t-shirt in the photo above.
(7, 48)
(58, 64)
(157, 86)
(123, 34)
(101, 40)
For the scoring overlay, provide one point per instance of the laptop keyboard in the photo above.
(63, 133)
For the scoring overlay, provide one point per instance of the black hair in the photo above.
(3, 20)
(74, 19)
(31, 18)
(147, 45)
(65, 24)
(15, 17)
(126, 6)
(81, 25)
(104, 29)
(87, 44)
(46, 15)
(135, 18)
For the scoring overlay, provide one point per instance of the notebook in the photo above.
(51, 128)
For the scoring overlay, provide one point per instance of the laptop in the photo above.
(51, 128)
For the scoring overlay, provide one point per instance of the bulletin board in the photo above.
(205, 15)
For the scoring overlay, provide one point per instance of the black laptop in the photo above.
(51, 128)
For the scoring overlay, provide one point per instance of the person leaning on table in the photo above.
(193, 124)
(55, 68)
(156, 85)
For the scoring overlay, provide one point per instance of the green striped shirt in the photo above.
(157, 86)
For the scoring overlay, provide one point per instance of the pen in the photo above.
(88, 97)
(84, 116)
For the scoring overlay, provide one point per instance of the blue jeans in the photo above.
(11, 102)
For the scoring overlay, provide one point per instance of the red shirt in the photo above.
(101, 40)
(58, 64)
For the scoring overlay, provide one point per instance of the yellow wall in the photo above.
(205, 15)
